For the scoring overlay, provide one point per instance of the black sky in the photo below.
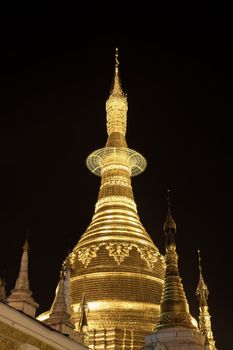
(55, 75)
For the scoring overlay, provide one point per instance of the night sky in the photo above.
(55, 75)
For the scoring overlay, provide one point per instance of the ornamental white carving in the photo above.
(119, 251)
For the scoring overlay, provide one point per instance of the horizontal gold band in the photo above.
(119, 274)
(117, 305)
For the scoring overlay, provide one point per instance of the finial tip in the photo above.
(168, 199)
(169, 223)
(26, 244)
(116, 57)
(199, 260)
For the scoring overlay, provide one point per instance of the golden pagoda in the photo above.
(115, 264)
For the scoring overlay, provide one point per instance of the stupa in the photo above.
(115, 264)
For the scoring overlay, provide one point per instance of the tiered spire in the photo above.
(67, 266)
(174, 305)
(116, 250)
(59, 317)
(22, 280)
(116, 108)
(204, 317)
(116, 153)
(21, 295)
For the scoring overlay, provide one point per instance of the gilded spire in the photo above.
(116, 153)
(204, 317)
(20, 297)
(202, 291)
(116, 108)
(174, 306)
(59, 314)
(22, 281)
(67, 266)
(115, 243)
(116, 57)
(116, 89)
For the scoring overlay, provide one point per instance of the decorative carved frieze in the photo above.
(149, 255)
(86, 254)
(70, 260)
(162, 260)
(178, 318)
(118, 250)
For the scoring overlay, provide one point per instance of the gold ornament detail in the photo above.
(69, 262)
(176, 318)
(119, 251)
(149, 255)
(162, 260)
(86, 254)
(135, 162)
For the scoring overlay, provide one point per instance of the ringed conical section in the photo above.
(174, 311)
(115, 263)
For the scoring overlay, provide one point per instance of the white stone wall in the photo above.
(175, 338)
